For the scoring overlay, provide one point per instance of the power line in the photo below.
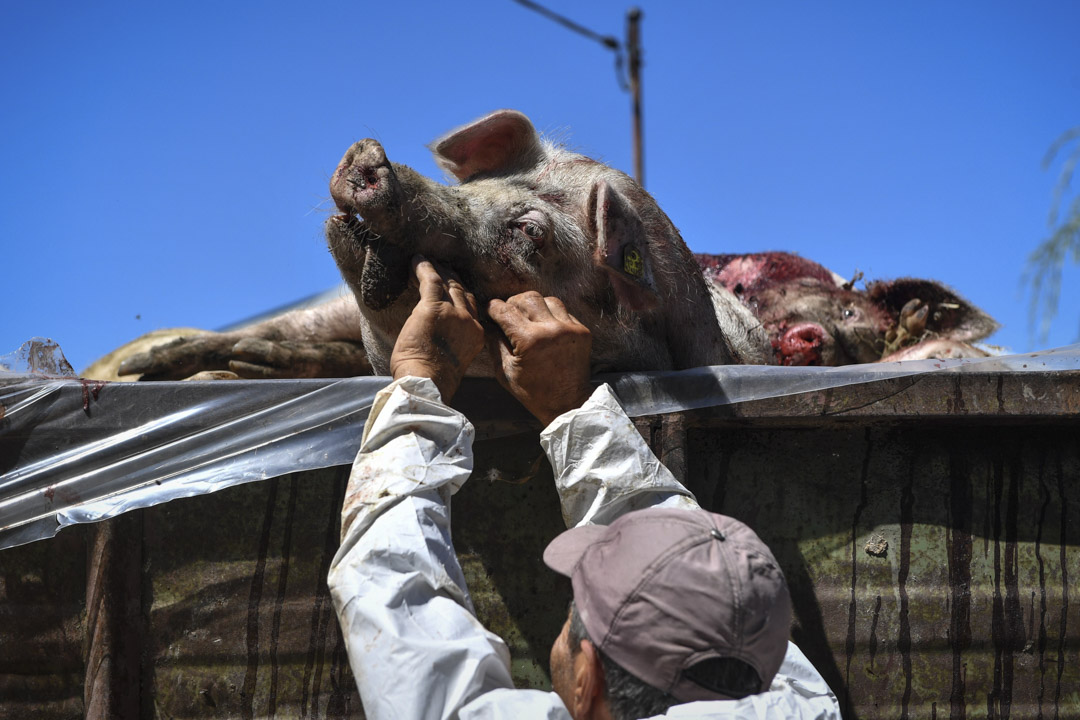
(633, 86)
(608, 41)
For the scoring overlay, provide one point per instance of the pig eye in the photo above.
(531, 229)
(533, 225)
(849, 313)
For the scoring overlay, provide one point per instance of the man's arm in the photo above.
(413, 641)
(603, 468)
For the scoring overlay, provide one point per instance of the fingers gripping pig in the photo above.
(542, 354)
(442, 334)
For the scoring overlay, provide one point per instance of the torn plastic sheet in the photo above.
(75, 451)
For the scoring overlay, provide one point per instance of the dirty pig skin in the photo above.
(523, 214)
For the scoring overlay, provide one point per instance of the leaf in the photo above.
(1046, 263)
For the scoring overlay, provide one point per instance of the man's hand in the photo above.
(543, 357)
(442, 335)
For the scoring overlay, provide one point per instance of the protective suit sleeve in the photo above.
(603, 467)
(413, 640)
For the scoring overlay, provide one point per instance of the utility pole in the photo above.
(633, 50)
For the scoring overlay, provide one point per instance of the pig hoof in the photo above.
(214, 375)
(916, 322)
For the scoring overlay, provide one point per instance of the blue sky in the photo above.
(167, 165)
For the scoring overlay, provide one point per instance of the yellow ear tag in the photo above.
(633, 264)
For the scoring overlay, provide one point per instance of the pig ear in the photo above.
(949, 315)
(622, 248)
(503, 142)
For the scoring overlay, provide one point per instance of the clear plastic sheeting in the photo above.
(656, 393)
(74, 451)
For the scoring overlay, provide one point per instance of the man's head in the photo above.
(689, 603)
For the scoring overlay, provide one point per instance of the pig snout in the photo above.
(364, 180)
(368, 248)
(801, 344)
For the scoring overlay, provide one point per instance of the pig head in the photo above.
(813, 317)
(528, 215)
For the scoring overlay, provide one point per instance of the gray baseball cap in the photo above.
(662, 590)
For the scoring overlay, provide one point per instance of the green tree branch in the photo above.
(1047, 262)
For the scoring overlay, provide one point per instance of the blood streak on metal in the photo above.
(90, 388)
(283, 577)
(849, 643)
(997, 617)
(326, 620)
(1007, 619)
(1064, 583)
(959, 407)
(254, 601)
(321, 613)
(341, 681)
(1044, 492)
(873, 633)
(1014, 614)
(959, 548)
(903, 643)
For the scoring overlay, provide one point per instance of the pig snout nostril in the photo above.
(362, 179)
(801, 345)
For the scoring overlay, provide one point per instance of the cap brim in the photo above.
(563, 553)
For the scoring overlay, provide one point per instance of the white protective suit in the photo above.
(414, 643)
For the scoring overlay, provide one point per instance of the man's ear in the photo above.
(589, 685)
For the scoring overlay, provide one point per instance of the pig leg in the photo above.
(322, 341)
(937, 349)
(182, 357)
(225, 355)
(258, 358)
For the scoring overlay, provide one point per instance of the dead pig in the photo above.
(529, 215)
(814, 317)
(525, 215)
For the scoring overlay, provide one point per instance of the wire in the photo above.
(608, 41)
